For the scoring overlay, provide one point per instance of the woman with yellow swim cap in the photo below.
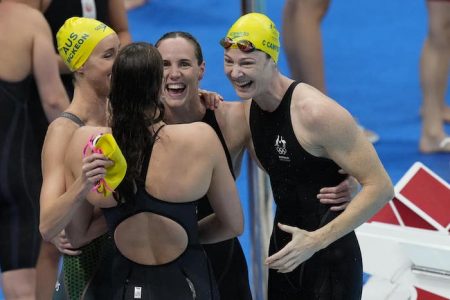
(56, 12)
(89, 48)
(302, 138)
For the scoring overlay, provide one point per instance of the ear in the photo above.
(202, 70)
(80, 70)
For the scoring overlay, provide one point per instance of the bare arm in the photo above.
(346, 145)
(57, 204)
(45, 69)
(227, 220)
(62, 67)
(59, 199)
(119, 21)
(87, 222)
(334, 131)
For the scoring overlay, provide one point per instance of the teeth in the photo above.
(175, 86)
(242, 83)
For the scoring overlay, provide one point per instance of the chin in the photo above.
(173, 103)
(245, 94)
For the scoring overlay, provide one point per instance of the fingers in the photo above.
(277, 260)
(339, 207)
(64, 246)
(342, 171)
(94, 167)
(280, 254)
(69, 251)
(285, 263)
(342, 187)
(334, 197)
(289, 265)
(211, 100)
(287, 228)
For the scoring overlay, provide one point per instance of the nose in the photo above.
(235, 71)
(174, 72)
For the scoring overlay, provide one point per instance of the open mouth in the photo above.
(243, 84)
(175, 88)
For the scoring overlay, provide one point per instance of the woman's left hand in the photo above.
(299, 249)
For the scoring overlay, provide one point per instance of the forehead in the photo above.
(176, 48)
(111, 41)
(236, 54)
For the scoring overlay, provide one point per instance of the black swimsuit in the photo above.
(296, 178)
(20, 175)
(189, 276)
(227, 258)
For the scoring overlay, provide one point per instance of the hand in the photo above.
(340, 195)
(94, 168)
(298, 250)
(63, 245)
(209, 99)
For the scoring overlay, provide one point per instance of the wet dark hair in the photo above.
(187, 36)
(136, 81)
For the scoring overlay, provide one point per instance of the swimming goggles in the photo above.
(243, 45)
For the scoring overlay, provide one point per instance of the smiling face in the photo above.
(249, 73)
(182, 71)
(97, 69)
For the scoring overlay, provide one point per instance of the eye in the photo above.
(166, 64)
(247, 63)
(185, 64)
(110, 53)
(228, 61)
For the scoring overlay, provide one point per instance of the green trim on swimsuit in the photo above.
(79, 271)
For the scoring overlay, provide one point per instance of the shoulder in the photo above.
(313, 108)
(60, 129)
(189, 131)
(83, 134)
(192, 136)
(230, 114)
(33, 16)
(228, 107)
(19, 8)
(18, 12)
(319, 116)
(81, 138)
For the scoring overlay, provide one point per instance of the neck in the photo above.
(89, 107)
(271, 98)
(193, 111)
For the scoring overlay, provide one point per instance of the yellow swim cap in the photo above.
(258, 29)
(77, 39)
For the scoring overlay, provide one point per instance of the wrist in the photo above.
(321, 237)
(83, 187)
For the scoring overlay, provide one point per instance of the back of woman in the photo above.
(169, 167)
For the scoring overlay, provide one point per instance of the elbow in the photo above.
(390, 193)
(46, 233)
(57, 104)
(237, 227)
(387, 192)
(76, 243)
(240, 230)
(54, 106)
